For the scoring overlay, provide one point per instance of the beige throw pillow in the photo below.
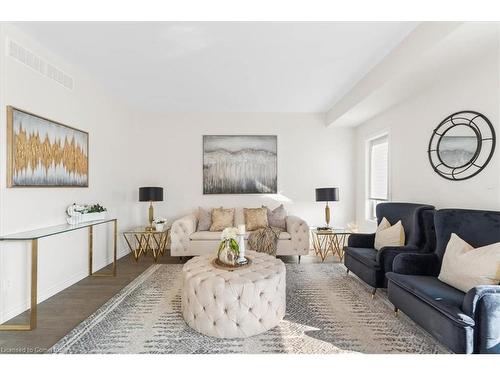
(387, 235)
(465, 267)
(255, 218)
(222, 218)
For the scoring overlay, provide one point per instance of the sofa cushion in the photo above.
(439, 295)
(465, 267)
(364, 255)
(215, 236)
(222, 219)
(204, 218)
(255, 218)
(389, 235)
(276, 217)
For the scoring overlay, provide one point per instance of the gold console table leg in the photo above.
(34, 281)
(91, 249)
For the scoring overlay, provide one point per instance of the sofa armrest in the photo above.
(386, 255)
(179, 234)
(299, 231)
(361, 240)
(423, 264)
(482, 303)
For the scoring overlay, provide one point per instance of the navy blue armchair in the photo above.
(464, 322)
(371, 265)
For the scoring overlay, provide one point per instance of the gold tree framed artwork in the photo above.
(45, 153)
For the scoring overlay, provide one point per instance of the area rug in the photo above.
(327, 312)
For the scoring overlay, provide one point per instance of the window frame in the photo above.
(371, 203)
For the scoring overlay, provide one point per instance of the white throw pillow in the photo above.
(465, 267)
(387, 235)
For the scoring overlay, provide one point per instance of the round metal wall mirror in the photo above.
(462, 145)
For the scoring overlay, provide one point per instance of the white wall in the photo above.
(62, 259)
(310, 155)
(470, 86)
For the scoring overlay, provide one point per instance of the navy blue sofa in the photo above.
(464, 322)
(371, 265)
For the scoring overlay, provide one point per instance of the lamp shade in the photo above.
(150, 194)
(327, 194)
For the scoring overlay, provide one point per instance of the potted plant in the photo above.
(160, 223)
(82, 213)
(229, 249)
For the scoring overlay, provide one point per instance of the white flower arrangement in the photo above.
(159, 220)
(229, 249)
(230, 233)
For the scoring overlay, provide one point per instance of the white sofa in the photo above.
(187, 241)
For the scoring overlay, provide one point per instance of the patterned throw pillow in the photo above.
(387, 235)
(276, 218)
(204, 218)
(222, 218)
(255, 218)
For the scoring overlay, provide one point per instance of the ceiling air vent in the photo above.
(38, 64)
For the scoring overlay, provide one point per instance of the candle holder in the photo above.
(241, 244)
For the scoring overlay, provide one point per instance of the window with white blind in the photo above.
(378, 173)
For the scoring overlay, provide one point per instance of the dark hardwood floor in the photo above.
(62, 312)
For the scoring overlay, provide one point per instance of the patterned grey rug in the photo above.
(327, 312)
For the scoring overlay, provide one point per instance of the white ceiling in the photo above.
(224, 67)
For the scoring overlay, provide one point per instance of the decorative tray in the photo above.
(218, 264)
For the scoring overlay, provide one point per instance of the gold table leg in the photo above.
(91, 250)
(33, 301)
(335, 246)
(91, 246)
(133, 249)
(321, 246)
(145, 243)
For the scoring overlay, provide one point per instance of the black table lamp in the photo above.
(327, 195)
(150, 194)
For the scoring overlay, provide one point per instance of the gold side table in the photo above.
(329, 241)
(143, 242)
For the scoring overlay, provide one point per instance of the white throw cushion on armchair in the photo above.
(389, 235)
(465, 267)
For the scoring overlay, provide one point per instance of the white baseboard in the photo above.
(8, 314)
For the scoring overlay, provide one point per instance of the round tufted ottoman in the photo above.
(239, 303)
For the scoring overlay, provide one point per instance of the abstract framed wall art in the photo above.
(45, 153)
(240, 164)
